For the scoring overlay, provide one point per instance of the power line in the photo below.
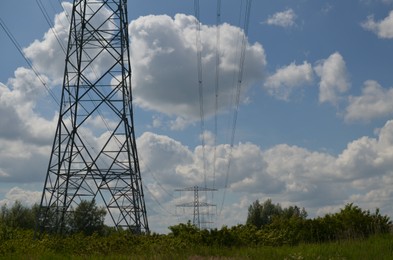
(217, 84)
(158, 202)
(19, 48)
(53, 6)
(156, 180)
(122, 179)
(200, 84)
(238, 92)
(51, 26)
(196, 204)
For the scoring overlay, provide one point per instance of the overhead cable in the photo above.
(49, 22)
(19, 48)
(217, 84)
(158, 202)
(238, 92)
(200, 85)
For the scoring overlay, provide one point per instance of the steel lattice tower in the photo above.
(196, 204)
(94, 154)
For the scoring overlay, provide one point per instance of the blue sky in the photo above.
(313, 126)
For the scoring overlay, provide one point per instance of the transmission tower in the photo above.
(196, 204)
(94, 155)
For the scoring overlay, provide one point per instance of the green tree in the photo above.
(18, 216)
(262, 214)
(294, 212)
(87, 218)
(357, 223)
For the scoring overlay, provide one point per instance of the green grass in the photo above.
(377, 247)
(79, 247)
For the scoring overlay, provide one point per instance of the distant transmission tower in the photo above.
(94, 155)
(196, 204)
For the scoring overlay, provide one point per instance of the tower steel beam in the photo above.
(94, 154)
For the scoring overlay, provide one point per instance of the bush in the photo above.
(289, 226)
(18, 216)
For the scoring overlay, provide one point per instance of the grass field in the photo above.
(22, 247)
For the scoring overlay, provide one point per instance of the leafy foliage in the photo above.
(290, 225)
(260, 215)
(87, 218)
(18, 216)
(124, 245)
(286, 227)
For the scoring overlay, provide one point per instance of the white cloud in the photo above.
(47, 55)
(283, 19)
(249, 171)
(25, 134)
(11, 124)
(358, 158)
(164, 157)
(374, 102)
(368, 158)
(166, 78)
(180, 123)
(308, 176)
(334, 78)
(236, 212)
(26, 197)
(19, 96)
(22, 162)
(383, 28)
(157, 122)
(175, 164)
(289, 174)
(283, 82)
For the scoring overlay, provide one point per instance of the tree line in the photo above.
(291, 225)
(266, 224)
(86, 218)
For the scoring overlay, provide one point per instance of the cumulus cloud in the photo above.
(165, 157)
(165, 77)
(26, 197)
(288, 174)
(47, 55)
(319, 181)
(286, 79)
(367, 162)
(308, 175)
(22, 162)
(159, 45)
(284, 19)
(21, 118)
(383, 28)
(292, 173)
(25, 134)
(374, 102)
(334, 78)
(176, 165)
